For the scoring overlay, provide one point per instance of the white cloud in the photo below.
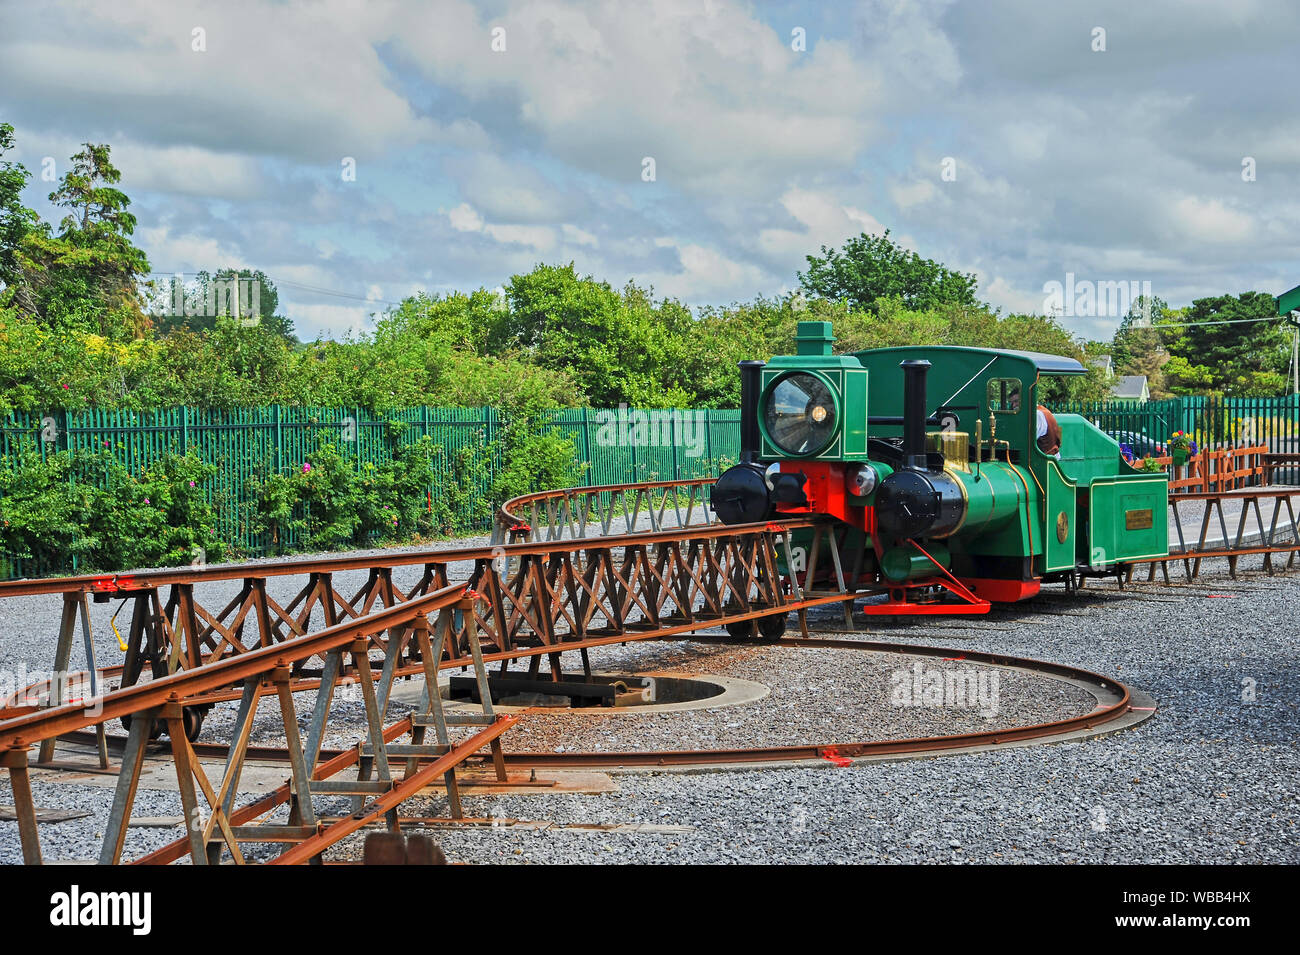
(1210, 220)
(287, 80)
(706, 274)
(825, 221)
(191, 171)
(578, 236)
(712, 93)
(508, 190)
(915, 192)
(1026, 139)
(188, 252)
(464, 218)
(329, 321)
(474, 164)
(539, 237)
(179, 170)
(1003, 294)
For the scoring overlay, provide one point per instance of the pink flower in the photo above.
(65, 387)
(306, 468)
(146, 500)
(191, 484)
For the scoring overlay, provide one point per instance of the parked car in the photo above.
(1143, 446)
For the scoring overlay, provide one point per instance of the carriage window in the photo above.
(1004, 395)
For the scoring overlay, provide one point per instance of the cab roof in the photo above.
(1047, 364)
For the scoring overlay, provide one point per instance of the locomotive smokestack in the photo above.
(914, 413)
(750, 384)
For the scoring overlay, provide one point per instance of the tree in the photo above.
(1138, 346)
(616, 347)
(213, 296)
(875, 267)
(1236, 358)
(87, 276)
(16, 220)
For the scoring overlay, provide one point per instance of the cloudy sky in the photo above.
(359, 152)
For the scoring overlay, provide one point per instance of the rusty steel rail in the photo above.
(1118, 702)
(533, 591)
(553, 594)
(1218, 469)
(171, 629)
(1115, 703)
(266, 672)
(520, 600)
(576, 511)
(608, 501)
(560, 597)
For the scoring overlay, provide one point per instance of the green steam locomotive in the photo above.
(949, 487)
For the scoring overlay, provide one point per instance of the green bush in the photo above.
(159, 519)
(325, 503)
(86, 510)
(534, 460)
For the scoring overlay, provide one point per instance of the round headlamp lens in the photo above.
(799, 414)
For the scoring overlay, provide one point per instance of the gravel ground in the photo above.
(817, 695)
(1212, 778)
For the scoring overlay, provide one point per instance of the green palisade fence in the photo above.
(247, 445)
(1213, 422)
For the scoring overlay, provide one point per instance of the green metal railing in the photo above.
(248, 445)
(1213, 422)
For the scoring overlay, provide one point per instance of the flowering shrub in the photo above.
(325, 502)
(88, 509)
(85, 511)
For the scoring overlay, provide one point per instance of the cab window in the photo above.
(1004, 395)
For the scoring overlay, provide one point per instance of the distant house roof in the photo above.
(1105, 364)
(1131, 386)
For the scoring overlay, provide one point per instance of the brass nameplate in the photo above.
(1137, 520)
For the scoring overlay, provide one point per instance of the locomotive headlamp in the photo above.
(799, 414)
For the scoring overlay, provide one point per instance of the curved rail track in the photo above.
(560, 577)
(1114, 701)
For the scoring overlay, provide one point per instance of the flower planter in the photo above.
(1179, 456)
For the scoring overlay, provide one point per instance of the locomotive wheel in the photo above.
(769, 628)
(740, 630)
(155, 731)
(192, 718)
(772, 628)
